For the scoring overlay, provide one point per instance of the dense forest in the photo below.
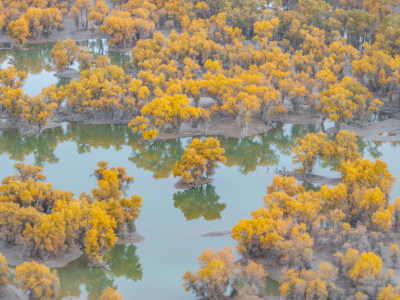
(207, 70)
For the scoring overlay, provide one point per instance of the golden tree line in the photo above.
(127, 21)
(45, 222)
(245, 82)
(281, 69)
(35, 19)
(352, 223)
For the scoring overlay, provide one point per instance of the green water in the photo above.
(172, 221)
(38, 63)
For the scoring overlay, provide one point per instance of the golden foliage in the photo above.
(110, 294)
(212, 278)
(38, 280)
(199, 157)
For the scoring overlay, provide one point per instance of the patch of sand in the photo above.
(69, 73)
(302, 118)
(217, 233)
(312, 178)
(11, 253)
(383, 131)
(10, 292)
(184, 185)
(135, 238)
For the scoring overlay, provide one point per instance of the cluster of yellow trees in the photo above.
(354, 218)
(45, 222)
(246, 80)
(23, 20)
(301, 53)
(210, 282)
(104, 90)
(39, 281)
(199, 157)
(34, 19)
(253, 59)
(18, 106)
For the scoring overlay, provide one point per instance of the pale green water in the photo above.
(172, 220)
(37, 62)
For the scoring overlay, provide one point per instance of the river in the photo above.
(172, 221)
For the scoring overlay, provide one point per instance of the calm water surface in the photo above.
(172, 221)
(37, 62)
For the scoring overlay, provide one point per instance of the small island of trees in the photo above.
(199, 158)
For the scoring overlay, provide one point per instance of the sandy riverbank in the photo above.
(312, 178)
(224, 126)
(69, 73)
(383, 131)
(217, 233)
(10, 292)
(134, 239)
(12, 253)
(228, 127)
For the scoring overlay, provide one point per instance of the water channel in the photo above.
(172, 221)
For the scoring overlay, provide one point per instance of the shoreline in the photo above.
(11, 253)
(77, 35)
(226, 127)
(11, 292)
(312, 178)
(380, 131)
(182, 185)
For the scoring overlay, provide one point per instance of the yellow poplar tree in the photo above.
(38, 280)
(199, 157)
(110, 294)
(212, 280)
(19, 31)
(101, 234)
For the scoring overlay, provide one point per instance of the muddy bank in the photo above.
(383, 131)
(10, 292)
(312, 178)
(134, 239)
(12, 253)
(302, 118)
(219, 127)
(69, 73)
(25, 127)
(185, 185)
(217, 233)
(77, 35)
